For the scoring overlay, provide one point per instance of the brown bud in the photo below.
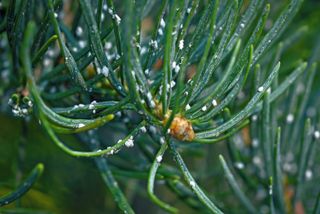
(157, 65)
(182, 129)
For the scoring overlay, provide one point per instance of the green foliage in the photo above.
(23, 188)
(170, 76)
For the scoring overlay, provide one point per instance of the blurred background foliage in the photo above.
(73, 185)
